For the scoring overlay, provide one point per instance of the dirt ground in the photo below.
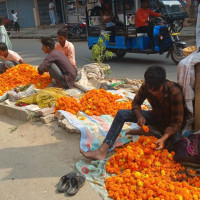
(33, 157)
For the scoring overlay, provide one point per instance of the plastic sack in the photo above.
(15, 96)
(44, 98)
(188, 149)
(4, 97)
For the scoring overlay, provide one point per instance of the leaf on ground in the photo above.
(13, 129)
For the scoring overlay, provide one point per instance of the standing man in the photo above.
(15, 19)
(58, 65)
(65, 46)
(51, 13)
(4, 35)
(167, 114)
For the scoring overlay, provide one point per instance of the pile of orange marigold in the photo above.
(144, 173)
(69, 104)
(100, 102)
(22, 74)
(95, 102)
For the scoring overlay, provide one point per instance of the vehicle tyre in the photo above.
(177, 57)
(120, 53)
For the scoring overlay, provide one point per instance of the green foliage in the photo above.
(99, 52)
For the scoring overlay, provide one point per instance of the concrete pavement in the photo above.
(47, 31)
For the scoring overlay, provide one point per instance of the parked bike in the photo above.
(76, 30)
(9, 24)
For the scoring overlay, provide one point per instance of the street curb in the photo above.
(14, 112)
(39, 37)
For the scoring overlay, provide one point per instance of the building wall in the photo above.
(43, 6)
(25, 15)
(3, 9)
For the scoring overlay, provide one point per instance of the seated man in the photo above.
(142, 17)
(167, 114)
(65, 46)
(57, 64)
(9, 57)
(108, 21)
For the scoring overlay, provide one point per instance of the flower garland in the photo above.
(147, 174)
(22, 74)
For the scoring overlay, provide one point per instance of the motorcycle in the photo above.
(9, 24)
(76, 30)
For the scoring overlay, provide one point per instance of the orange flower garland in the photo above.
(100, 102)
(22, 74)
(69, 104)
(147, 174)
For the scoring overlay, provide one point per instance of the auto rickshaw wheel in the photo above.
(177, 57)
(120, 53)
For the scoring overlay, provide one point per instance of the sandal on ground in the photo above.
(75, 184)
(64, 182)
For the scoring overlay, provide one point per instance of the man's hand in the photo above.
(160, 143)
(141, 121)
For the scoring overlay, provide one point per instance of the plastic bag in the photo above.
(188, 149)
(15, 96)
(44, 98)
(4, 97)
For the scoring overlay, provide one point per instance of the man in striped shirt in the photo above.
(167, 114)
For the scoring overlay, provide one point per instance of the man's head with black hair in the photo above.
(3, 49)
(62, 36)
(155, 77)
(12, 11)
(144, 3)
(62, 32)
(47, 44)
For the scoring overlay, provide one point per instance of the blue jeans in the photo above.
(129, 116)
(52, 17)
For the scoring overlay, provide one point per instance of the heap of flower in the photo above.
(100, 102)
(69, 104)
(148, 174)
(22, 74)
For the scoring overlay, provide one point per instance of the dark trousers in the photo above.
(6, 65)
(149, 30)
(129, 116)
(58, 76)
(17, 27)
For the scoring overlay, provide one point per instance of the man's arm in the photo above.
(177, 118)
(71, 54)
(21, 61)
(136, 105)
(45, 64)
(154, 14)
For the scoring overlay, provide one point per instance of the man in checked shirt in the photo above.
(167, 114)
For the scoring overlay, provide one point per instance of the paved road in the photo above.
(131, 66)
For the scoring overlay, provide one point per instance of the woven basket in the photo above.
(188, 50)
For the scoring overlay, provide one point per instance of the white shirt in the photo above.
(14, 16)
(51, 5)
(12, 56)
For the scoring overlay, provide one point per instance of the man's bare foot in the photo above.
(99, 154)
(138, 131)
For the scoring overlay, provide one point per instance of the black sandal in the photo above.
(64, 182)
(75, 184)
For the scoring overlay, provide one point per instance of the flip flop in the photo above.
(64, 182)
(75, 184)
